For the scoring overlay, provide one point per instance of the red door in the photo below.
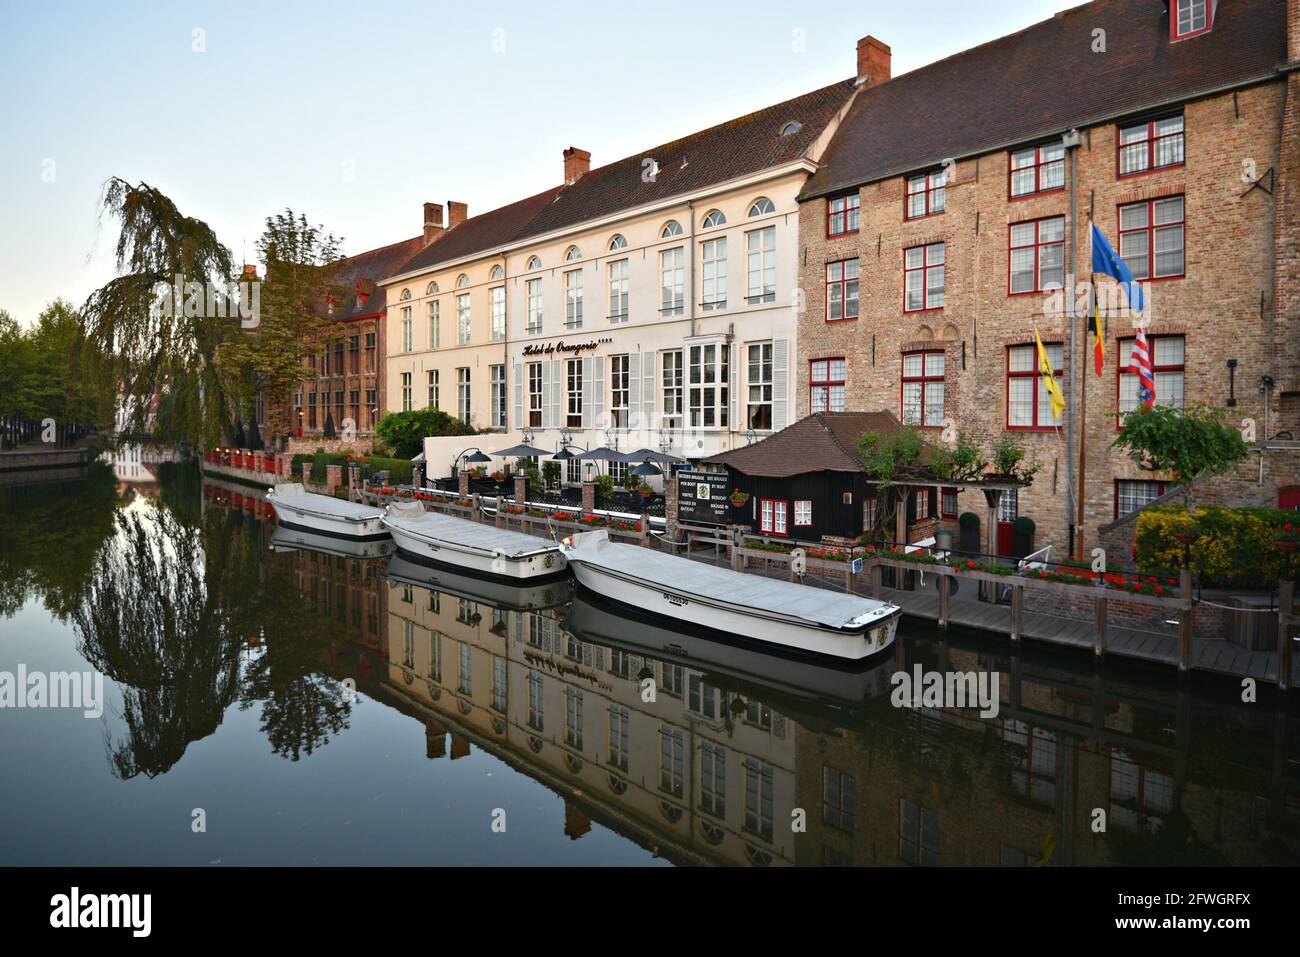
(1288, 497)
(1007, 512)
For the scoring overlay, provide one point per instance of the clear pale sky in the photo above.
(357, 113)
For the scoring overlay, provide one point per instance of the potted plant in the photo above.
(645, 491)
(739, 498)
(1286, 538)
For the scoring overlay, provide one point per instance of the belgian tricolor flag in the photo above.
(1098, 337)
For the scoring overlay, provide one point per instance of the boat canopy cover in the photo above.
(659, 570)
(411, 518)
(292, 495)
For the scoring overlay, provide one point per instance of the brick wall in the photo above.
(1222, 306)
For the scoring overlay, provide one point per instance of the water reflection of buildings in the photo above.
(710, 773)
(944, 787)
(715, 768)
(135, 467)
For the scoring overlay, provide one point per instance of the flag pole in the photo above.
(1083, 416)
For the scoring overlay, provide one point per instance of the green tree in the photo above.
(148, 352)
(404, 432)
(1188, 443)
(300, 283)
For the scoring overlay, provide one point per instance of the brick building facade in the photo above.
(927, 260)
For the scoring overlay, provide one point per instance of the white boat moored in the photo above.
(297, 508)
(797, 618)
(474, 547)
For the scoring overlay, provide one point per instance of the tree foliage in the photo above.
(46, 370)
(298, 257)
(1187, 443)
(152, 354)
(404, 432)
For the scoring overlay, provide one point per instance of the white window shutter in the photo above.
(588, 403)
(548, 395)
(598, 394)
(634, 390)
(519, 397)
(780, 383)
(648, 390)
(735, 387)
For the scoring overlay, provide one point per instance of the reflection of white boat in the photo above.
(471, 546)
(798, 618)
(726, 661)
(293, 539)
(297, 508)
(510, 596)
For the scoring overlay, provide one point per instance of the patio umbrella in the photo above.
(642, 455)
(601, 455)
(521, 451)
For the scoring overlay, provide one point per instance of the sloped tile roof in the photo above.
(366, 269)
(731, 150)
(1045, 80)
(821, 442)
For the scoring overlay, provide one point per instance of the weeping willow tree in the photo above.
(151, 353)
(149, 621)
(301, 263)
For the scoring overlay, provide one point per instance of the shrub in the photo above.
(604, 487)
(885, 456)
(1233, 547)
(551, 472)
(404, 432)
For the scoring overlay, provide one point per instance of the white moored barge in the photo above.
(299, 509)
(797, 618)
(473, 547)
(528, 595)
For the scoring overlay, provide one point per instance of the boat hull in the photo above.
(443, 553)
(738, 624)
(361, 530)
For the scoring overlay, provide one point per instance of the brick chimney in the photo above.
(873, 61)
(432, 222)
(577, 164)
(250, 271)
(457, 213)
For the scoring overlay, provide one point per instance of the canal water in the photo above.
(270, 698)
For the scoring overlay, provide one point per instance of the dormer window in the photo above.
(1187, 18)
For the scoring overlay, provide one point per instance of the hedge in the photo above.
(1234, 547)
(399, 469)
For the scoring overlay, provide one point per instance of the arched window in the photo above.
(497, 272)
(714, 218)
(791, 128)
(533, 263)
(572, 254)
(761, 207)
(671, 228)
(618, 242)
(462, 281)
(433, 287)
(406, 294)
(617, 784)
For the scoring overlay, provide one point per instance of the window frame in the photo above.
(827, 383)
(849, 210)
(765, 384)
(1150, 231)
(929, 190)
(924, 270)
(672, 299)
(1174, 34)
(1034, 373)
(1151, 139)
(617, 272)
(713, 272)
(535, 415)
(1038, 245)
(573, 394)
(464, 320)
(924, 379)
(672, 385)
(1161, 488)
(843, 284)
(1037, 167)
(794, 513)
(534, 306)
(763, 253)
(1126, 368)
(573, 298)
(763, 506)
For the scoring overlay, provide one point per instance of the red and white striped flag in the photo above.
(1140, 364)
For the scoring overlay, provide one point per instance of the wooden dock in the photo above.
(1211, 655)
